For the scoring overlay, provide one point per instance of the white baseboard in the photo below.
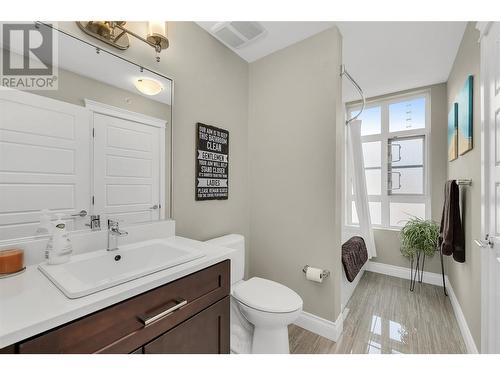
(462, 322)
(320, 326)
(348, 287)
(403, 272)
(345, 312)
(434, 279)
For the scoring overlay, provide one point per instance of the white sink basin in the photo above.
(91, 272)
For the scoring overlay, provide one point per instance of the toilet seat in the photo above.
(266, 295)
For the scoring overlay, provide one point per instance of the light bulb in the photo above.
(156, 28)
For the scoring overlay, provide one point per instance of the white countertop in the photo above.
(30, 304)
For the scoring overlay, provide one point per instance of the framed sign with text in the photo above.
(212, 163)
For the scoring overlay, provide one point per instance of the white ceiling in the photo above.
(279, 34)
(386, 57)
(383, 57)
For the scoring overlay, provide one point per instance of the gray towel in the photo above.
(354, 255)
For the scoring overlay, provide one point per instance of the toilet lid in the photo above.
(267, 295)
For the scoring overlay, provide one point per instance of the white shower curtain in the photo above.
(356, 165)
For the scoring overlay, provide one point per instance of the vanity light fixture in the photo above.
(148, 86)
(116, 34)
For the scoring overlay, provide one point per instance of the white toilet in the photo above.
(261, 309)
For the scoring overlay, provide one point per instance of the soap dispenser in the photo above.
(59, 247)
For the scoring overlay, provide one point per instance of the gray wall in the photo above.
(211, 86)
(295, 156)
(387, 240)
(466, 277)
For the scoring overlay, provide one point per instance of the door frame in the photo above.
(109, 110)
(487, 308)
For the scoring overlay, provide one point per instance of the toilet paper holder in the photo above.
(324, 274)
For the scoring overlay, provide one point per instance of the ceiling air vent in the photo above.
(237, 34)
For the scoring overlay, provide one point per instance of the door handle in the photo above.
(148, 319)
(82, 213)
(484, 243)
(155, 207)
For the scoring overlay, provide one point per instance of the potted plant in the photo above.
(419, 238)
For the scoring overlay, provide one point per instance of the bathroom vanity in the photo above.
(189, 315)
(180, 309)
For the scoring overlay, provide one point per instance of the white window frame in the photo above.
(383, 138)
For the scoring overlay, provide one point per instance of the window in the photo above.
(394, 133)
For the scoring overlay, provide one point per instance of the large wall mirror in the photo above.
(98, 144)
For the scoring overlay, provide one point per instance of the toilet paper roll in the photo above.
(314, 274)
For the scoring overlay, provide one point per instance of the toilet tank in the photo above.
(236, 242)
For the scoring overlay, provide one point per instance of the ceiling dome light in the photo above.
(148, 86)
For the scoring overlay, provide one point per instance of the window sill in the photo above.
(387, 229)
(390, 229)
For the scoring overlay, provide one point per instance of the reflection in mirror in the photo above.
(98, 142)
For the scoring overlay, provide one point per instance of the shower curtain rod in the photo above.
(343, 71)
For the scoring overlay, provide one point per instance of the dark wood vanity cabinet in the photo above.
(204, 333)
(189, 315)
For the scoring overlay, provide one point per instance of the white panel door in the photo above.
(490, 75)
(126, 169)
(44, 161)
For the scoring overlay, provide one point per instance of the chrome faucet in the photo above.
(95, 222)
(113, 233)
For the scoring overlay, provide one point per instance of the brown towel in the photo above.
(354, 255)
(451, 235)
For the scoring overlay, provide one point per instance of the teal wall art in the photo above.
(465, 117)
(452, 133)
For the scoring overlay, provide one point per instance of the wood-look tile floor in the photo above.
(385, 317)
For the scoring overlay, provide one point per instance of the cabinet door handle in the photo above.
(148, 319)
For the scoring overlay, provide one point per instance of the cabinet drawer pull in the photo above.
(147, 319)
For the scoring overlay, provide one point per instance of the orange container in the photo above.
(11, 261)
